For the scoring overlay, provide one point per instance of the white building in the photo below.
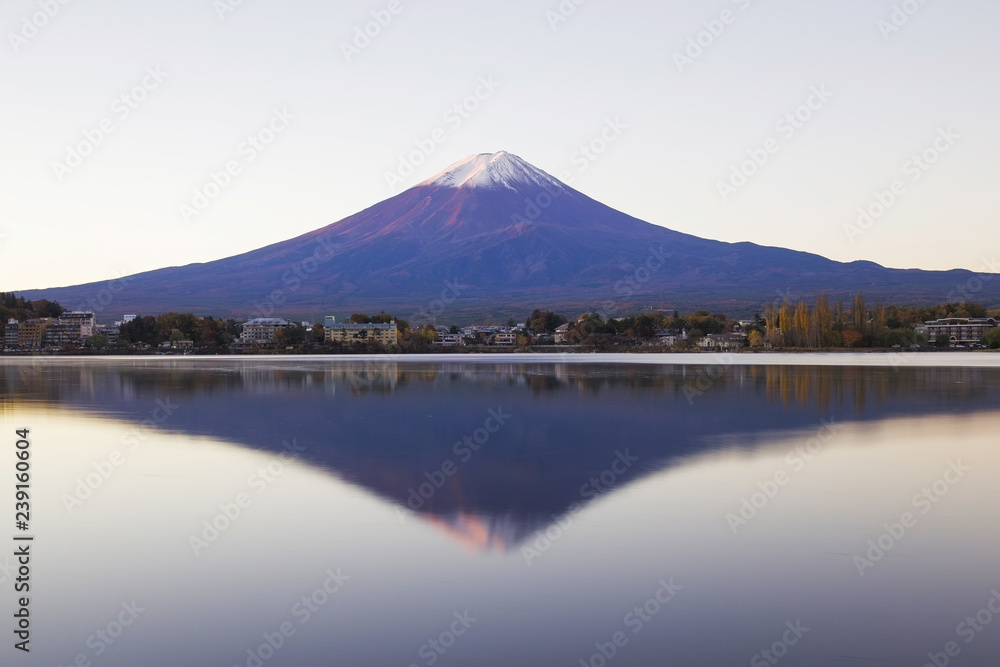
(670, 337)
(262, 330)
(960, 330)
(10, 333)
(721, 342)
(86, 321)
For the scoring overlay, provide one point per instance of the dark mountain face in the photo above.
(493, 234)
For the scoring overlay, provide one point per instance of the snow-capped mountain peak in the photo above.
(493, 170)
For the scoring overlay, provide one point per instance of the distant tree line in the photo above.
(817, 324)
(858, 324)
(821, 324)
(204, 332)
(18, 308)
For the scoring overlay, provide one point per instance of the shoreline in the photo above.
(977, 359)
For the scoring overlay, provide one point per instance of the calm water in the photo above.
(329, 512)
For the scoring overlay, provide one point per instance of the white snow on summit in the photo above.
(493, 170)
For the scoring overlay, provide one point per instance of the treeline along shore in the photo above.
(35, 327)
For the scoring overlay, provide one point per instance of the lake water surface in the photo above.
(511, 511)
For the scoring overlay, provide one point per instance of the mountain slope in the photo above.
(494, 234)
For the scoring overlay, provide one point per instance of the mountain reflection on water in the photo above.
(492, 453)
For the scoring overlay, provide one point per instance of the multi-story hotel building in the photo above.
(84, 321)
(110, 331)
(31, 333)
(387, 334)
(262, 330)
(10, 333)
(960, 330)
(60, 334)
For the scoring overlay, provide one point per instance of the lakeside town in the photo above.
(43, 326)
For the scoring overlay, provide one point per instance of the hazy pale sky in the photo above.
(115, 113)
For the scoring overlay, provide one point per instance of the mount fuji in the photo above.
(494, 235)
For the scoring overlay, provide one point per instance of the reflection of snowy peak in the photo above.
(493, 170)
(482, 532)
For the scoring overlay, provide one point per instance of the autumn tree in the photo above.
(800, 324)
(821, 322)
(858, 314)
(786, 323)
(544, 321)
(771, 323)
